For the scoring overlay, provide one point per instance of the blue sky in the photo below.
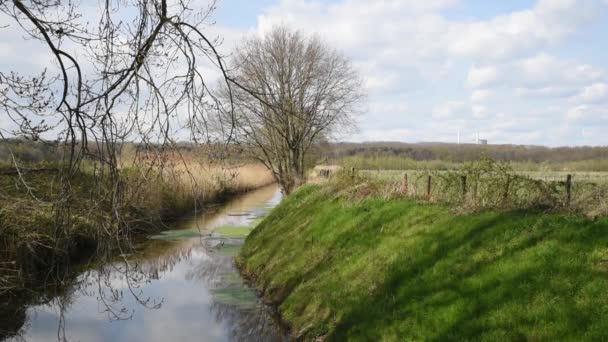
(519, 71)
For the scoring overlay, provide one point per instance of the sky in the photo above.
(517, 71)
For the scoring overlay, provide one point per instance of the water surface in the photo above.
(181, 285)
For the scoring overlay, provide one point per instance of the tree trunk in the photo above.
(293, 175)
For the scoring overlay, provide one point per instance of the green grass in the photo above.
(378, 270)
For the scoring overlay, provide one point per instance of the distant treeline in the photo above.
(372, 155)
(28, 151)
(399, 156)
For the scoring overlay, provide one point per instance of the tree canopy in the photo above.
(292, 90)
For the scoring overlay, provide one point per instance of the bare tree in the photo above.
(124, 70)
(291, 91)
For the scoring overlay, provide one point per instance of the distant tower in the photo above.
(477, 137)
(458, 137)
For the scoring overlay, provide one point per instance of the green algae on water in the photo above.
(176, 235)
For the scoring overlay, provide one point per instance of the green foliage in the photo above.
(489, 184)
(395, 270)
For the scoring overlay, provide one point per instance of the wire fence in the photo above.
(487, 184)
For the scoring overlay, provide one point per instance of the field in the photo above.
(403, 156)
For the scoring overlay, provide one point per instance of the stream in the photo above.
(180, 285)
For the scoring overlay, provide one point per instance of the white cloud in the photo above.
(397, 134)
(590, 114)
(450, 109)
(544, 68)
(540, 75)
(510, 34)
(411, 31)
(390, 107)
(482, 76)
(479, 111)
(376, 78)
(597, 92)
(6, 50)
(554, 92)
(480, 95)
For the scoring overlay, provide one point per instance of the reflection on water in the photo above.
(180, 288)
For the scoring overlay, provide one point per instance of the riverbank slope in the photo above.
(392, 270)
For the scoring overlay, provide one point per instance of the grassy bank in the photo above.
(395, 269)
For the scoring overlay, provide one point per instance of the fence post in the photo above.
(506, 194)
(428, 188)
(463, 179)
(405, 185)
(568, 189)
(475, 184)
(352, 173)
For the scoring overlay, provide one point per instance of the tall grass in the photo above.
(184, 188)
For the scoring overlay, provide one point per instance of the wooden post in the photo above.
(405, 185)
(463, 179)
(506, 194)
(568, 189)
(352, 173)
(428, 188)
(475, 191)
